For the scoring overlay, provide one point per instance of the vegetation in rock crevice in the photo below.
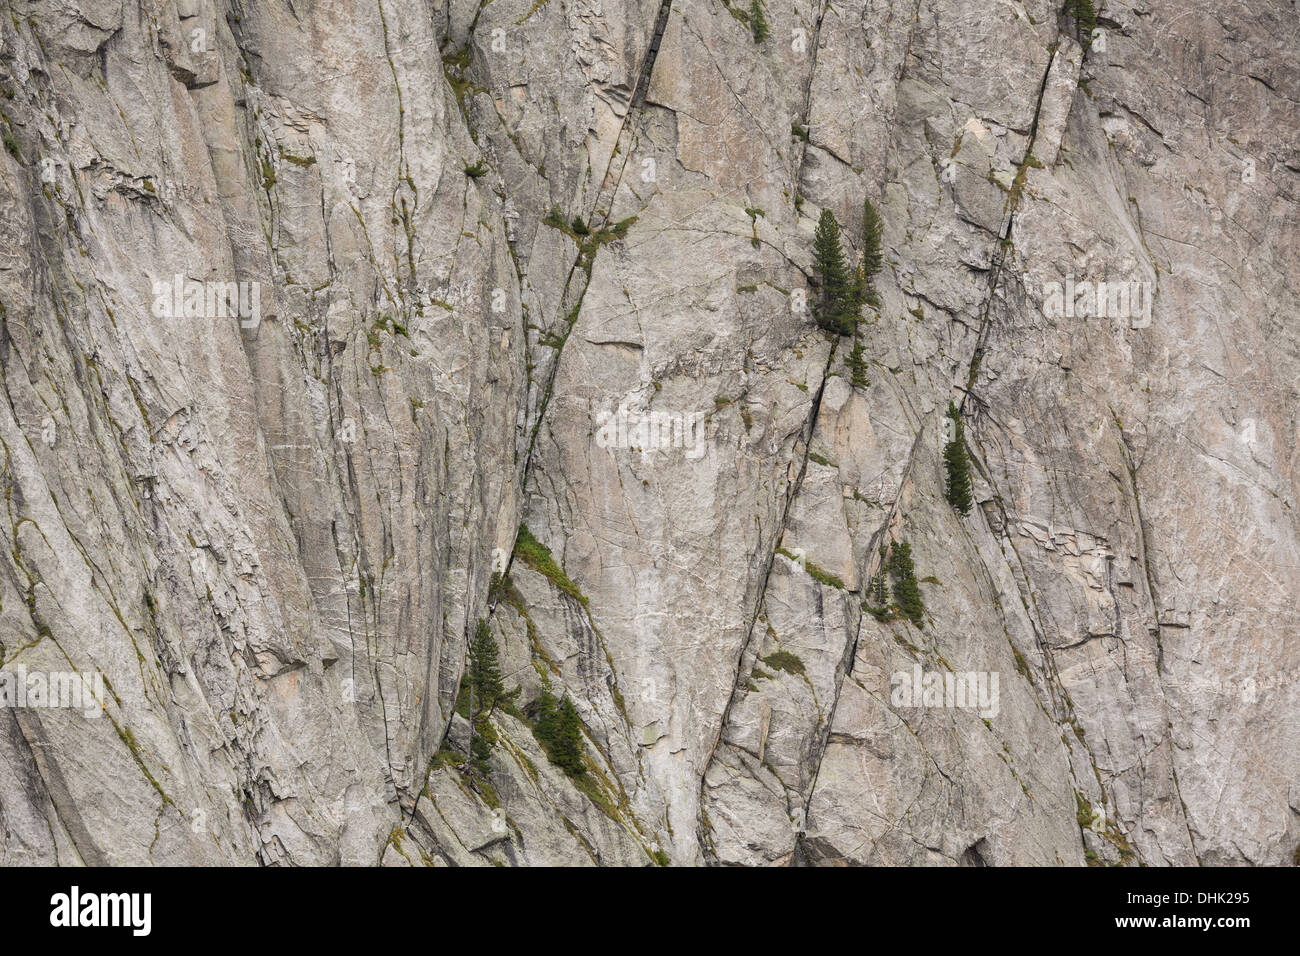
(538, 557)
(558, 728)
(485, 689)
(1084, 15)
(907, 601)
(757, 21)
(857, 364)
(907, 593)
(957, 464)
(834, 307)
(784, 661)
(820, 575)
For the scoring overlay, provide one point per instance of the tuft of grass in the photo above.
(303, 161)
(882, 614)
(446, 757)
(1083, 810)
(555, 219)
(784, 661)
(820, 575)
(476, 170)
(538, 557)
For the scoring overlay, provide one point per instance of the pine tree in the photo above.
(857, 364)
(860, 292)
(480, 746)
(879, 585)
(1084, 14)
(484, 675)
(872, 257)
(544, 724)
(957, 463)
(835, 292)
(877, 602)
(483, 680)
(757, 22)
(566, 752)
(558, 728)
(907, 593)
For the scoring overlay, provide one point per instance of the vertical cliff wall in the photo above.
(548, 265)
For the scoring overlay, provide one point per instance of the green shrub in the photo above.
(1083, 810)
(820, 575)
(555, 218)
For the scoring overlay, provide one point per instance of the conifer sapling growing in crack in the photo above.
(1084, 15)
(957, 464)
(907, 593)
(757, 21)
(558, 728)
(872, 257)
(864, 289)
(834, 306)
(486, 689)
(857, 364)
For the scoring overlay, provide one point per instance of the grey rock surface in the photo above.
(548, 263)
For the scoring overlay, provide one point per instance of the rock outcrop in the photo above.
(548, 264)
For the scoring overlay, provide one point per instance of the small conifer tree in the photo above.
(835, 291)
(758, 22)
(860, 291)
(957, 463)
(485, 687)
(544, 724)
(484, 669)
(857, 364)
(1084, 15)
(480, 746)
(907, 593)
(558, 728)
(567, 752)
(872, 256)
(879, 587)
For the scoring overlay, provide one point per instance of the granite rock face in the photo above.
(307, 310)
